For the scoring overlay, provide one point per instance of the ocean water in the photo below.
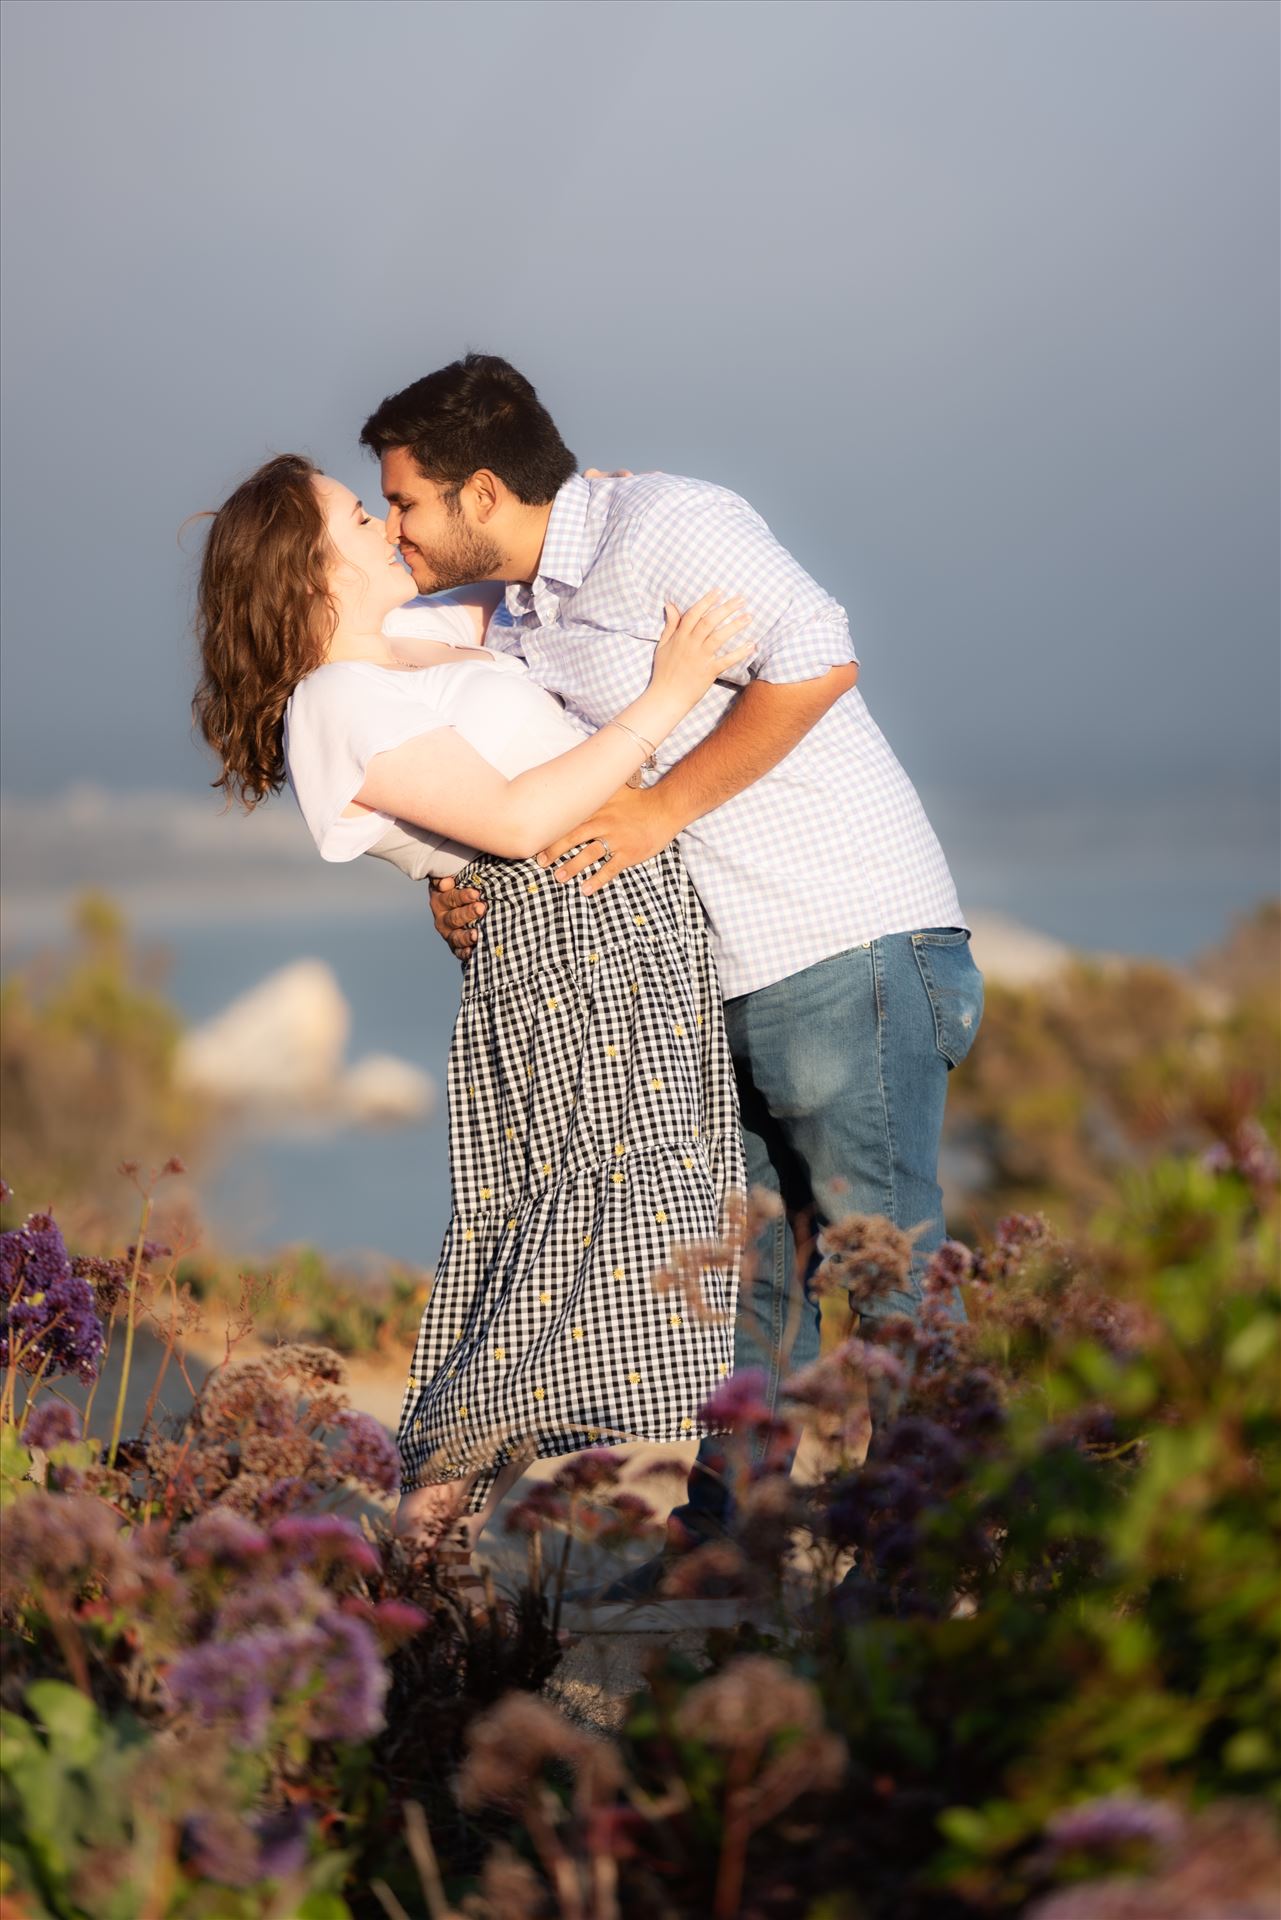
(384, 1191)
(1162, 881)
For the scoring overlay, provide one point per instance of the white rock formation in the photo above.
(277, 1052)
(1015, 955)
(382, 1091)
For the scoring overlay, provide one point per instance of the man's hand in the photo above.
(634, 825)
(456, 911)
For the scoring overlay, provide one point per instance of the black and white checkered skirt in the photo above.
(593, 1133)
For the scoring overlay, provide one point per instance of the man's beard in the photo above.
(471, 556)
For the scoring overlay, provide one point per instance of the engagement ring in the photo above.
(609, 851)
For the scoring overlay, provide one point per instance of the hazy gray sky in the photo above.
(977, 303)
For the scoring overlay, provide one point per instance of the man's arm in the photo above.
(761, 728)
(804, 664)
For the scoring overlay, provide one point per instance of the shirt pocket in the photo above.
(954, 986)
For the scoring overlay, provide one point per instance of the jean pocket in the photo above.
(955, 988)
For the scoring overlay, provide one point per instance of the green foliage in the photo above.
(1092, 1609)
(301, 1295)
(87, 1053)
(1112, 1066)
(92, 1814)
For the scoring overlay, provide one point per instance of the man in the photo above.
(845, 1014)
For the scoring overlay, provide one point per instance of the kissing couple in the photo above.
(710, 940)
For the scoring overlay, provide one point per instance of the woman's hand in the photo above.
(698, 645)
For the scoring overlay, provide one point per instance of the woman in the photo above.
(593, 1125)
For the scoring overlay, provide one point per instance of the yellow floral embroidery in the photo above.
(593, 957)
(471, 1093)
(468, 1234)
(634, 1378)
(539, 1394)
(676, 1320)
(611, 1053)
(680, 1033)
(618, 1273)
(587, 1239)
(686, 1424)
(500, 1353)
(657, 1084)
(485, 1192)
(593, 1433)
(532, 887)
(660, 1216)
(578, 1333)
(688, 1165)
(510, 1225)
(722, 1370)
(546, 1299)
(618, 1179)
(511, 1133)
(547, 1165)
(462, 1413)
(552, 1005)
(499, 952)
(639, 919)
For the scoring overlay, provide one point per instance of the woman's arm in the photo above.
(438, 782)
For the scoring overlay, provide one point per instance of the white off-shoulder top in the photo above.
(344, 713)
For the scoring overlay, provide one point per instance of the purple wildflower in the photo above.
(1248, 1153)
(229, 1682)
(393, 1620)
(282, 1842)
(47, 1318)
(222, 1537)
(366, 1452)
(1118, 1821)
(594, 1467)
(6, 1193)
(52, 1424)
(221, 1847)
(319, 1540)
(328, 1667)
(282, 1496)
(273, 1603)
(545, 1505)
(151, 1250)
(349, 1705)
(740, 1402)
(239, 1853)
(62, 1542)
(950, 1265)
(108, 1278)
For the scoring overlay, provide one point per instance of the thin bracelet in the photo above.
(651, 761)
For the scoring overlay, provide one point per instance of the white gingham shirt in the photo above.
(838, 816)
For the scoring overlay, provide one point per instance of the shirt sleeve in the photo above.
(686, 544)
(337, 720)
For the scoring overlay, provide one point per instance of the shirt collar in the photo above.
(563, 560)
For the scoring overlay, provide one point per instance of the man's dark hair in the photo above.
(476, 412)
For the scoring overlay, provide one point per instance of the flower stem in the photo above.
(127, 1362)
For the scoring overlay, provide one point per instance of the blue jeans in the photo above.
(842, 1077)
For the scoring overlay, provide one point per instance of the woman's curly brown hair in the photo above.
(264, 619)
